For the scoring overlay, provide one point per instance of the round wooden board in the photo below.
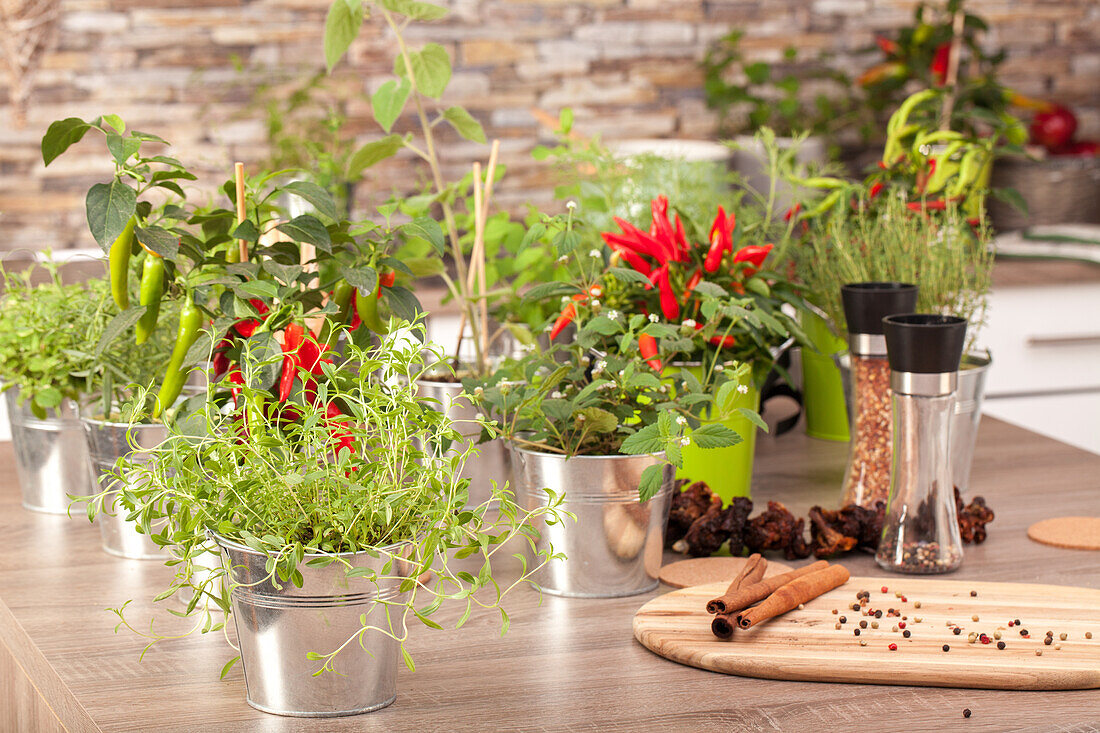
(703, 570)
(805, 644)
(1074, 533)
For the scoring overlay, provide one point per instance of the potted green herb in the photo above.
(340, 522)
(718, 305)
(46, 350)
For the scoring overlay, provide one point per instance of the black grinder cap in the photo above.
(866, 304)
(924, 343)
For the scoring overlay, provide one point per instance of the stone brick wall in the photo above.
(629, 68)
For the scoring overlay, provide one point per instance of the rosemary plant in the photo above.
(355, 468)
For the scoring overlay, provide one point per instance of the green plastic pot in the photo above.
(822, 387)
(727, 471)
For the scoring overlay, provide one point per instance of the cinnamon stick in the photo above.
(751, 572)
(799, 590)
(747, 595)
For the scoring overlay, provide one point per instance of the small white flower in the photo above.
(478, 391)
(595, 254)
(653, 318)
(664, 388)
(719, 368)
(681, 420)
(613, 314)
(595, 304)
(585, 360)
(685, 441)
(601, 364)
(555, 395)
(563, 259)
(571, 205)
(622, 372)
(689, 323)
(565, 299)
(580, 418)
(743, 389)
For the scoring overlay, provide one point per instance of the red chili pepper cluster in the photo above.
(302, 352)
(569, 312)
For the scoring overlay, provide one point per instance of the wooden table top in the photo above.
(565, 664)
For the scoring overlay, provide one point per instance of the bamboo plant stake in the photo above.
(951, 78)
(238, 174)
(475, 275)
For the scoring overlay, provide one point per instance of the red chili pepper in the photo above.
(248, 327)
(940, 62)
(692, 282)
(669, 305)
(647, 347)
(792, 212)
(235, 377)
(889, 47)
(662, 228)
(645, 243)
(723, 341)
(876, 189)
(937, 205)
(754, 254)
(292, 342)
(681, 238)
(385, 280)
(568, 313)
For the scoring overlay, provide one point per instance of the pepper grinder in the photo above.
(921, 530)
(867, 480)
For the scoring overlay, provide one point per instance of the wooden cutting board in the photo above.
(805, 644)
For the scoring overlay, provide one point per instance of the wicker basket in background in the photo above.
(1058, 190)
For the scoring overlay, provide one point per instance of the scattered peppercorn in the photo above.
(863, 624)
(1088, 634)
(801, 606)
(1023, 632)
(897, 594)
(916, 604)
(884, 589)
(973, 593)
(856, 631)
(835, 612)
(956, 631)
(906, 633)
(893, 647)
(985, 639)
(1011, 624)
(855, 606)
(904, 599)
(843, 619)
(966, 712)
(1038, 652)
(901, 624)
(997, 634)
(1063, 636)
(878, 614)
(974, 617)
(837, 625)
(1017, 622)
(1057, 646)
(863, 642)
(946, 648)
(1048, 641)
(1000, 645)
(874, 624)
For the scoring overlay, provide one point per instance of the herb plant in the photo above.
(360, 472)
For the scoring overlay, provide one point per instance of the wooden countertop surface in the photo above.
(564, 665)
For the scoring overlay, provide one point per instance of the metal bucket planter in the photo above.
(968, 416)
(278, 627)
(492, 461)
(106, 443)
(50, 455)
(615, 546)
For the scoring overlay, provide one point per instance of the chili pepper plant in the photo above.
(361, 473)
(299, 280)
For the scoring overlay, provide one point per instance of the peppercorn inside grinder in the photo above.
(921, 530)
(867, 479)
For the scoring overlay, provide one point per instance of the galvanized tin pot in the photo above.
(492, 462)
(50, 455)
(968, 416)
(106, 443)
(278, 627)
(615, 546)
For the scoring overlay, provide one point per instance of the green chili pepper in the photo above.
(969, 169)
(152, 287)
(367, 307)
(191, 319)
(119, 261)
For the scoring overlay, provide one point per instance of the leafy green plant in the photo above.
(949, 260)
(358, 475)
(56, 343)
(751, 95)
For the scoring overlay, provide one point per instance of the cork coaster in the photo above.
(700, 570)
(1074, 533)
